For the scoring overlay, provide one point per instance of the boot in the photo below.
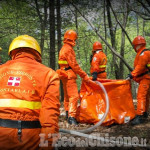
(72, 120)
(145, 114)
(66, 115)
(138, 120)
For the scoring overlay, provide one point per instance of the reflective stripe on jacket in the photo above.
(19, 103)
(148, 65)
(29, 91)
(62, 62)
(102, 66)
(67, 58)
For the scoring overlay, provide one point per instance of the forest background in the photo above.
(114, 23)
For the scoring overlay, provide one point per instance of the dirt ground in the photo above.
(140, 132)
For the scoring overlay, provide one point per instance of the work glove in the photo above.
(129, 77)
(62, 74)
(94, 75)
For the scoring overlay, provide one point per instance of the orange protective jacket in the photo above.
(29, 91)
(98, 64)
(67, 58)
(141, 75)
(141, 65)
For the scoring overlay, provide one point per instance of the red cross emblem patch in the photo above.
(13, 81)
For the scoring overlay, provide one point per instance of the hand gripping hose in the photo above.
(88, 130)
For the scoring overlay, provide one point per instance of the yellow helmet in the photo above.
(24, 41)
(0, 48)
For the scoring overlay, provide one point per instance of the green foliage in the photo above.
(20, 17)
(17, 18)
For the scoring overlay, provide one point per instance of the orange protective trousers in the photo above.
(70, 88)
(70, 96)
(143, 96)
(9, 139)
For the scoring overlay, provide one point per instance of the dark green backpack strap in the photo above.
(144, 50)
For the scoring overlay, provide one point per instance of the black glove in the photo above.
(94, 75)
(91, 58)
(129, 76)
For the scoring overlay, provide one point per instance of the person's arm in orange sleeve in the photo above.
(71, 59)
(49, 113)
(95, 66)
(141, 66)
(95, 63)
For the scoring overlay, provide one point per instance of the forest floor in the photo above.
(139, 134)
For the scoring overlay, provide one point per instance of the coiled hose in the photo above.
(88, 130)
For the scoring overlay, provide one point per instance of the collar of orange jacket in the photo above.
(141, 49)
(26, 52)
(70, 42)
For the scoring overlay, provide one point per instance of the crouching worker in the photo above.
(141, 74)
(98, 62)
(68, 71)
(29, 97)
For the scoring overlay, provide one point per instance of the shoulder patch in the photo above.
(94, 59)
(14, 81)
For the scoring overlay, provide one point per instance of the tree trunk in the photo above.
(59, 42)
(112, 34)
(105, 25)
(42, 22)
(17, 18)
(125, 17)
(58, 26)
(76, 23)
(137, 25)
(143, 27)
(52, 33)
(103, 39)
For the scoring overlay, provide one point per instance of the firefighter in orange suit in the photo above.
(141, 74)
(29, 98)
(98, 62)
(70, 68)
